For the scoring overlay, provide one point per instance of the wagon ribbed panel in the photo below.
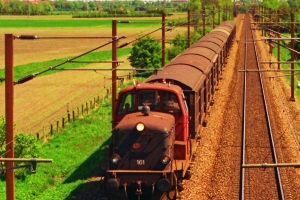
(198, 61)
(188, 76)
(215, 40)
(225, 28)
(202, 51)
(220, 35)
(210, 45)
(221, 29)
(229, 24)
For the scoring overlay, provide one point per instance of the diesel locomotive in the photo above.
(156, 124)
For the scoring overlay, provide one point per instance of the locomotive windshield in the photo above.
(157, 100)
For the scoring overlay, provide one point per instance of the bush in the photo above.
(146, 53)
(25, 146)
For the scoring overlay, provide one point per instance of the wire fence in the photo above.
(77, 112)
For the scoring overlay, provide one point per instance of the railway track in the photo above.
(217, 169)
(257, 143)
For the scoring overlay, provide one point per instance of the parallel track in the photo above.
(257, 143)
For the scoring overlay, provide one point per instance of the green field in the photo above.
(40, 23)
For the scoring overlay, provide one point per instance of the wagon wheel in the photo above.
(174, 195)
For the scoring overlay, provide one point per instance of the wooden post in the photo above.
(87, 107)
(278, 41)
(163, 36)
(63, 123)
(51, 129)
(69, 118)
(213, 18)
(114, 65)
(44, 135)
(219, 15)
(203, 21)
(57, 126)
(292, 57)
(9, 117)
(189, 28)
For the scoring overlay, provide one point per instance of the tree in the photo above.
(25, 145)
(180, 44)
(146, 53)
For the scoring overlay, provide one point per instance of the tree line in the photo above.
(42, 7)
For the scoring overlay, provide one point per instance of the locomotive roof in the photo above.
(153, 85)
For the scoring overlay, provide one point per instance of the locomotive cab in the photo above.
(150, 145)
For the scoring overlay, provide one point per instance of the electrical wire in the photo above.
(29, 77)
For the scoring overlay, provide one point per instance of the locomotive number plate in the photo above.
(140, 162)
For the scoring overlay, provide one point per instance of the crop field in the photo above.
(48, 97)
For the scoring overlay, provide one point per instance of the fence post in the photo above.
(51, 129)
(73, 114)
(69, 117)
(87, 107)
(82, 109)
(57, 126)
(63, 122)
(44, 136)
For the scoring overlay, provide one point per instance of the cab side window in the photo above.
(127, 103)
(171, 103)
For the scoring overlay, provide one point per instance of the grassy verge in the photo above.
(285, 55)
(77, 153)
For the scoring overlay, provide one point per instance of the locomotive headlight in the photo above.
(115, 158)
(140, 127)
(165, 159)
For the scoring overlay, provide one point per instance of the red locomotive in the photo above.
(156, 123)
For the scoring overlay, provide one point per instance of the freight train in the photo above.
(156, 124)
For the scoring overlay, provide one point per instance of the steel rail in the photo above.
(274, 156)
(243, 153)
